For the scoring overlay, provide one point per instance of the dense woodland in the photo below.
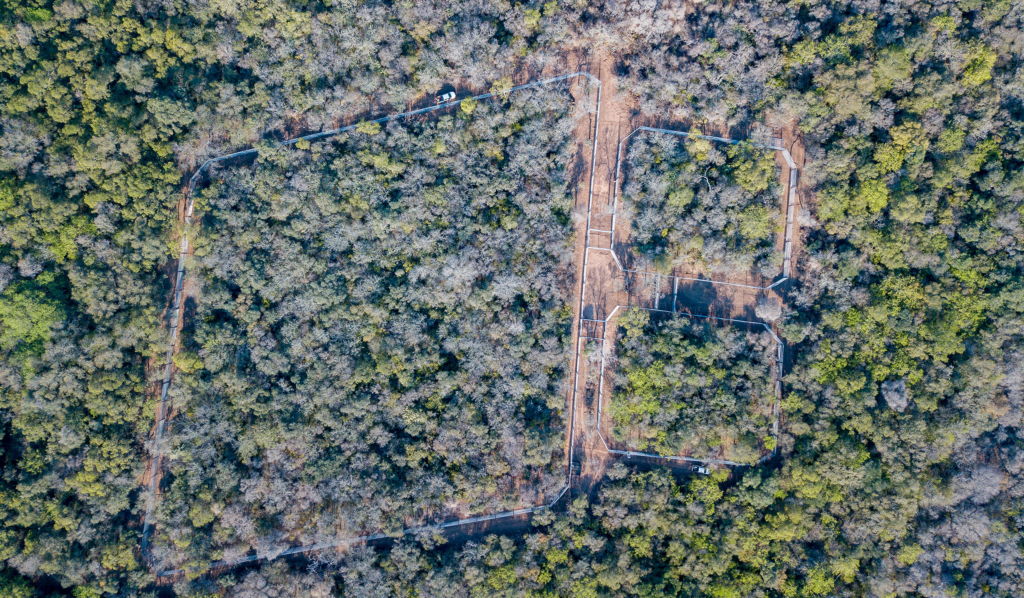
(646, 534)
(703, 205)
(105, 108)
(901, 456)
(900, 461)
(693, 387)
(381, 333)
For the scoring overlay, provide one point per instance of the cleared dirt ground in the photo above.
(612, 281)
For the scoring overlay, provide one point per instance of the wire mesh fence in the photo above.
(591, 84)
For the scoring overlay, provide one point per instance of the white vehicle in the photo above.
(701, 469)
(447, 97)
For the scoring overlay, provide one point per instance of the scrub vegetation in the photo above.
(314, 355)
(105, 109)
(383, 314)
(704, 205)
(693, 388)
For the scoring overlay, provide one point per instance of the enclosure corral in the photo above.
(618, 275)
(369, 242)
(687, 387)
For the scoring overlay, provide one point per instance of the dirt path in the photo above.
(792, 141)
(597, 192)
(181, 289)
(608, 279)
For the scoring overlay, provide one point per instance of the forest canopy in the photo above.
(106, 108)
(696, 388)
(899, 467)
(382, 314)
(699, 204)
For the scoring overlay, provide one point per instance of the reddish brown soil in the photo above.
(615, 123)
(608, 286)
(155, 364)
(793, 141)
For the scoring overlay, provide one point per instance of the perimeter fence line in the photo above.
(780, 351)
(157, 454)
(296, 550)
(687, 278)
(780, 347)
(790, 196)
